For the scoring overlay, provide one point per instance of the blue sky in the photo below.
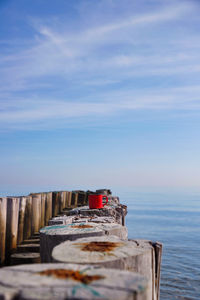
(99, 93)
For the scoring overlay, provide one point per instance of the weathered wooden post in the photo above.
(55, 203)
(22, 209)
(104, 191)
(43, 204)
(3, 215)
(27, 218)
(12, 224)
(62, 200)
(68, 199)
(63, 281)
(118, 211)
(51, 236)
(48, 208)
(82, 196)
(74, 199)
(36, 213)
(112, 252)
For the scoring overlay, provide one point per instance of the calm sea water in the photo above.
(174, 220)
(171, 218)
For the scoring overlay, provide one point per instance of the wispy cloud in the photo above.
(95, 66)
(57, 113)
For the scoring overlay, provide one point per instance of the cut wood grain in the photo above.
(111, 252)
(51, 236)
(117, 211)
(69, 281)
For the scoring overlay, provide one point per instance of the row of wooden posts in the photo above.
(22, 217)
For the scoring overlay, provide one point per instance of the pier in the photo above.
(53, 246)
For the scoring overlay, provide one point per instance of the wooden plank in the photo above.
(3, 215)
(62, 281)
(21, 225)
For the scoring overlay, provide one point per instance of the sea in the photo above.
(169, 216)
(173, 218)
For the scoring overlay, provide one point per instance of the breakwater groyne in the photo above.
(53, 246)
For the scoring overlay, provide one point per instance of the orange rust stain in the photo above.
(100, 246)
(82, 226)
(71, 274)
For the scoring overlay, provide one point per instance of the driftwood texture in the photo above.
(62, 220)
(117, 211)
(3, 215)
(111, 252)
(52, 236)
(67, 281)
(79, 219)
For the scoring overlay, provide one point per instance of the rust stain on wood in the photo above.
(82, 226)
(71, 274)
(99, 246)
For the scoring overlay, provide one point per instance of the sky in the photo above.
(99, 93)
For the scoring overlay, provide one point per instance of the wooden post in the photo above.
(74, 199)
(115, 211)
(27, 218)
(43, 204)
(12, 225)
(68, 199)
(36, 213)
(60, 200)
(63, 200)
(3, 215)
(104, 191)
(81, 198)
(48, 208)
(55, 204)
(22, 208)
(111, 252)
(62, 281)
(51, 236)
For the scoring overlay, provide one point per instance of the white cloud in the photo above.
(98, 57)
(41, 113)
